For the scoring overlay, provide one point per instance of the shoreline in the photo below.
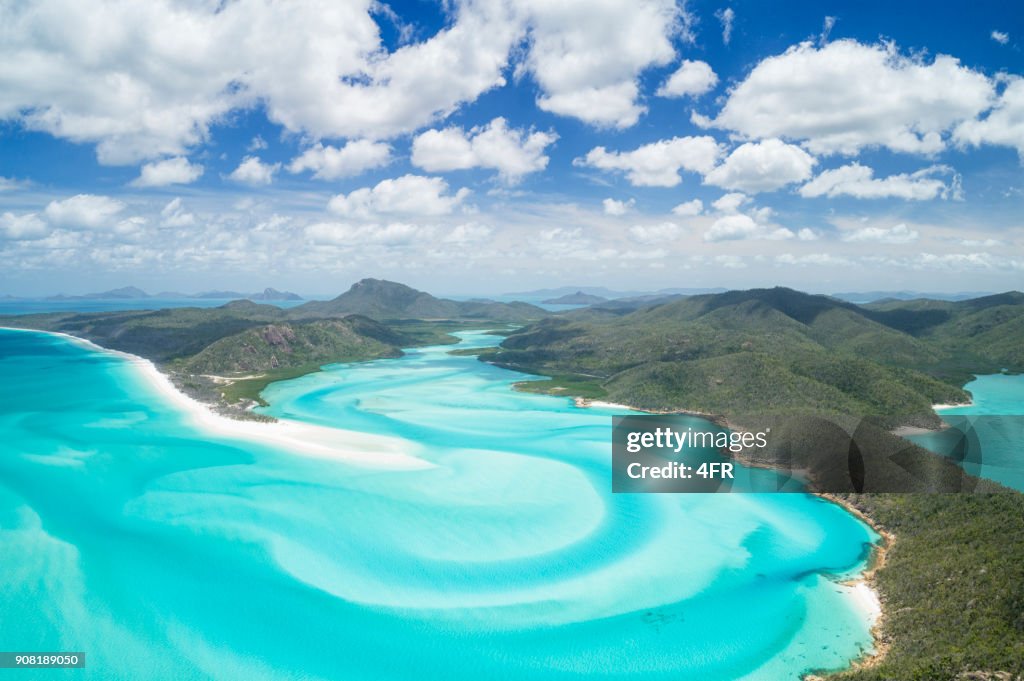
(306, 439)
(865, 587)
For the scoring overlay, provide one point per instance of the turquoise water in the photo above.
(165, 552)
(995, 418)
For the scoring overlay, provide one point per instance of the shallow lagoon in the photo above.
(995, 421)
(164, 552)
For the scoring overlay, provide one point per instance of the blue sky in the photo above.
(494, 145)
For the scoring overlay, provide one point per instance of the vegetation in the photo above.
(952, 587)
(386, 300)
(815, 369)
(564, 385)
(229, 354)
(777, 351)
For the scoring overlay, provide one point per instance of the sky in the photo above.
(476, 147)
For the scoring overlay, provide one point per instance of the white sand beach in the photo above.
(306, 439)
(939, 407)
(584, 403)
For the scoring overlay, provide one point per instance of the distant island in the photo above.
(135, 293)
(578, 298)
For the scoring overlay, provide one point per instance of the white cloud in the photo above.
(653, 234)
(84, 211)
(730, 203)
(726, 16)
(468, 233)
(9, 184)
(807, 234)
(613, 207)
(762, 166)
(175, 170)
(24, 227)
(826, 29)
(858, 181)
(344, 234)
(657, 164)
(254, 171)
(1000, 37)
(148, 79)
(174, 215)
(900, 234)
(513, 153)
(741, 226)
(689, 208)
(257, 144)
(409, 194)
(825, 259)
(692, 78)
(331, 163)
(586, 56)
(846, 96)
(1004, 125)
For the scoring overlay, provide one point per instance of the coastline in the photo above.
(306, 439)
(865, 586)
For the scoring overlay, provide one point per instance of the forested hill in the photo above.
(775, 351)
(386, 300)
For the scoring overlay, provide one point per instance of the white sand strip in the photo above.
(867, 599)
(307, 439)
(584, 403)
(938, 407)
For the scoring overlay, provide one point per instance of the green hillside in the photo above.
(773, 350)
(387, 300)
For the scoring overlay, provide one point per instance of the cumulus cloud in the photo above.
(1004, 125)
(513, 153)
(613, 207)
(653, 234)
(846, 96)
(175, 170)
(331, 163)
(689, 208)
(859, 182)
(146, 80)
(409, 194)
(254, 171)
(587, 56)
(762, 166)
(726, 17)
(899, 234)
(741, 226)
(24, 227)
(657, 164)
(174, 215)
(468, 233)
(1000, 37)
(692, 78)
(344, 234)
(84, 211)
(824, 259)
(730, 203)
